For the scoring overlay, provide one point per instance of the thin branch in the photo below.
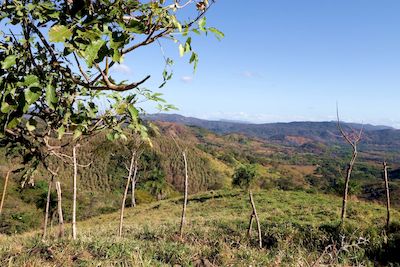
(80, 68)
(114, 87)
(44, 41)
(177, 6)
(339, 125)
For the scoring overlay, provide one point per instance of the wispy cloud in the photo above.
(187, 79)
(250, 74)
(122, 68)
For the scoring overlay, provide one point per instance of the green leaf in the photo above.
(51, 96)
(92, 50)
(5, 107)
(60, 132)
(202, 24)
(9, 61)
(110, 136)
(58, 33)
(195, 60)
(77, 134)
(133, 112)
(13, 123)
(30, 125)
(31, 81)
(181, 50)
(31, 95)
(217, 33)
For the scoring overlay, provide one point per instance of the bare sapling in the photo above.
(60, 213)
(46, 216)
(253, 216)
(385, 176)
(352, 139)
(71, 160)
(185, 198)
(134, 181)
(131, 170)
(74, 192)
(4, 191)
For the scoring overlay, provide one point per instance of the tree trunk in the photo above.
(385, 175)
(133, 201)
(46, 216)
(255, 215)
(250, 224)
(74, 194)
(4, 191)
(183, 218)
(121, 219)
(60, 214)
(346, 187)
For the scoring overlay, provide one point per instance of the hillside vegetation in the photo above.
(299, 229)
(101, 184)
(212, 159)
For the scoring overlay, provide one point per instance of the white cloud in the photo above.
(187, 79)
(250, 74)
(122, 68)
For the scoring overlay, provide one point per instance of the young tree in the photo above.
(131, 171)
(46, 216)
(185, 196)
(134, 181)
(385, 177)
(74, 192)
(59, 209)
(244, 177)
(352, 138)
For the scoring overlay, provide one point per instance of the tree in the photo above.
(244, 177)
(385, 177)
(131, 170)
(185, 195)
(55, 59)
(352, 138)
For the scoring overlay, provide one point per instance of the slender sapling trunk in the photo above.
(346, 186)
(4, 191)
(46, 216)
(133, 200)
(121, 219)
(74, 193)
(385, 175)
(183, 218)
(60, 214)
(250, 224)
(254, 215)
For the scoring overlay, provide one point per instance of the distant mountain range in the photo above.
(381, 138)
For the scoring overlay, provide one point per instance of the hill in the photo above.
(375, 138)
(101, 184)
(299, 229)
(311, 167)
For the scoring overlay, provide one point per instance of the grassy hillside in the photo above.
(299, 229)
(212, 159)
(100, 185)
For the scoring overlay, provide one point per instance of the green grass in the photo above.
(297, 227)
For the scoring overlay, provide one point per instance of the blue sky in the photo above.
(287, 60)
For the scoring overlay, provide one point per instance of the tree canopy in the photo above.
(244, 176)
(55, 58)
